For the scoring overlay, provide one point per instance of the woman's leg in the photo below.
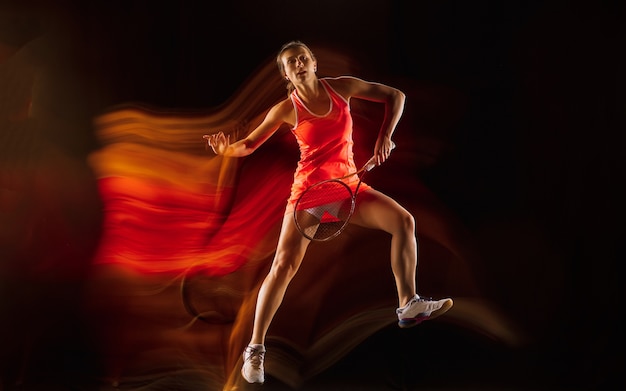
(376, 210)
(289, 254)
(379, 211)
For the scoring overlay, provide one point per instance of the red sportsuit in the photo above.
(325, 144)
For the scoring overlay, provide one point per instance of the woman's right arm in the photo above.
(275, 117)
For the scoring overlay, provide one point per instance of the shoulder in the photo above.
(282, 111)
(283, 107)
(354, 87)
(342, 82)
(347, 86)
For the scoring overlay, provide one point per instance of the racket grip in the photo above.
(372, 162)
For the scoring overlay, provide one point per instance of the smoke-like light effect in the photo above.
(171, 205)
(187, 238)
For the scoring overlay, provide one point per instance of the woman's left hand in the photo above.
(383, 150)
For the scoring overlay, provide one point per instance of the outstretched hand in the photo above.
(217, 141)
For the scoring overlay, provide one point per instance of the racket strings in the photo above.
(324, 209)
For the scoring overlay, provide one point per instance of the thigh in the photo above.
(378, 211)
(291, 242)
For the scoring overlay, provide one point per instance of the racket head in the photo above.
(323, 210)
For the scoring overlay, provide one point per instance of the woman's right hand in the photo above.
(219, 142)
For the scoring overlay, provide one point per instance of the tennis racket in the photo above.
(323, 210)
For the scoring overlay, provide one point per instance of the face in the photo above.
(298, 64)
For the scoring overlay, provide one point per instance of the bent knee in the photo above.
(286, 265)
(407, 222)
(402, 224)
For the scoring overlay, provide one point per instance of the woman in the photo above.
(318, 112)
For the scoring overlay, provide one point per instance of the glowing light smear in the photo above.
(170, 205)
(188, 237)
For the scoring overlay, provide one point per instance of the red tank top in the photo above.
(325, 144)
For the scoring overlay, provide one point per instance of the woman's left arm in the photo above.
(392, 98)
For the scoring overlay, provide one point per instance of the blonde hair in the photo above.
(279, 61)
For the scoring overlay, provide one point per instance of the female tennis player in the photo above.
(318, 112)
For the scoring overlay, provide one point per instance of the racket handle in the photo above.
(372, 162)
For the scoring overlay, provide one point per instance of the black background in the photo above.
(537, 163)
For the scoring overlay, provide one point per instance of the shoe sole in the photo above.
(243, 374)
(407, 323)
(250, 382)
(412, 322)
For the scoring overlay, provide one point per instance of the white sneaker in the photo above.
(419, 309)
(252, 369)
